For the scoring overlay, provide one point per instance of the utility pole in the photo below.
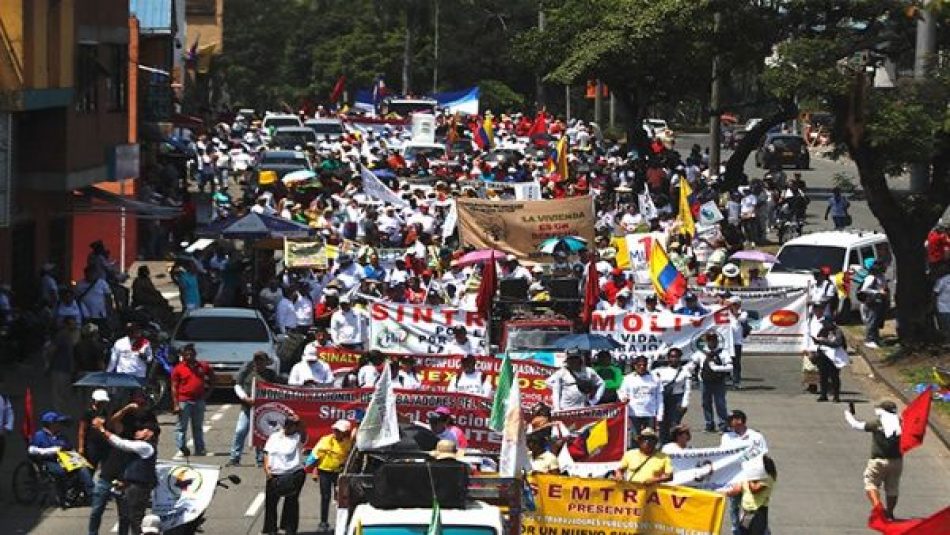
(612, 111)
(924, 57)
(598, 103)
(567, 102)
(539, 84)
(714, 102)
(435, 51)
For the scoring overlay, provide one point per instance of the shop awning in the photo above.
(95, 200)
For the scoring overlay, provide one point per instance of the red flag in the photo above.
(338, 89)
(486, 289)
(914, 421)
(540, 125)
(26, 426)
(591, 293)
(935, 524)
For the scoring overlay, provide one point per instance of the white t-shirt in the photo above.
(751, 436)
(124, 359)
(470, 383)
(942, 291)
(564, 391)
(366, 376)
(93, 301)
(346, 327)
(283, 452)
(310, 370)
(644, 395)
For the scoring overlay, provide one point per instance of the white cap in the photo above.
(536, 287)
(342, 426)
(511, 258)
(100, 395)
(310, 352)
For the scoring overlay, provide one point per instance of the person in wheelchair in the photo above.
(44, 449)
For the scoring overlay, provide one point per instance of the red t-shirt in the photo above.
(190, 381)
(938, 243)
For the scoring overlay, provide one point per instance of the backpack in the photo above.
(707, 374)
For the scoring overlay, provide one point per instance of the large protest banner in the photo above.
(652, 334)
(319, 408)
(598, 438)
(520, 226)
(711, 468)
(437, 372)
(584, 505)
(778, 316)
(183, 491)
(420, 329)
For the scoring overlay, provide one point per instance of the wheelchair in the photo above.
(35, 484)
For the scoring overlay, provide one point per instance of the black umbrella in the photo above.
(586, 342)
(110, 380)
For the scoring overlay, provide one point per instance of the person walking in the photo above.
(330, 455)
(575, 386)
(739, 324)
(60, 364)
(284, 474)
(875, 299)
(643, 394)
(714, 367)
(754, 493)
(645, 465)
(131, 354)
(740, 434)
(257, 369)
(838, 206)
(311, 371)
(676, 386)
(192, 381)
(831, 354)
(886, 464)
(138, 477)
(110, 470)
(92, 445)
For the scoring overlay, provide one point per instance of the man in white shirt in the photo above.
(575, 385)
(643, 394)
(676, 386)
(348, 272)
(942, 296)
(461, 344)
(714, 367)
(470, 380)
(824, 291)
(740, 434)
(346, 326)
(738, 324)
(285, 317)
(876, 302)
(303, 310)
(131, 354)
(311, 370)
(94, 296)
(514, 270)
(368, 373)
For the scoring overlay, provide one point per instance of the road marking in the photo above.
(255, 505)
(217, 416)
(224, 407)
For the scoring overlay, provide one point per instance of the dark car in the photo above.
(289, 137)
(780, 150)
(283, 162)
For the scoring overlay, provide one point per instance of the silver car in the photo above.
(226, 338)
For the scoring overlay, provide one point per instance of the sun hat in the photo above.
(446, 449)
(730, 270)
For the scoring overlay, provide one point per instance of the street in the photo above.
(819, 458)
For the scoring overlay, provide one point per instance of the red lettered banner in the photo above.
(319, 408)
(438, 371)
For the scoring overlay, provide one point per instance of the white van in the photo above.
(842, 251)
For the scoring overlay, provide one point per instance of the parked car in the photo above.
(226, 338)
(782, 150)
(843, 251)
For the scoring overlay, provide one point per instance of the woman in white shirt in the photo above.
(283, 470)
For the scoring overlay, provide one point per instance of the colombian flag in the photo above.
(669, 283)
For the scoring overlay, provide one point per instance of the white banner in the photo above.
(420, 329)
(451, 221)
(526, 191)
(711, 468)
(651, 334)
(778, 316)
(183, 492)
(373, 187)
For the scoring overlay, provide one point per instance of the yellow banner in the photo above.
(582, 505)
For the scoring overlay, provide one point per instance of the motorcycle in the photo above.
(157, 379)
(195, 526)
(787, 224)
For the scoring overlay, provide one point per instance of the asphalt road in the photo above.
(820, 461)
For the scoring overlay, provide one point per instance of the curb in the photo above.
(858, 345)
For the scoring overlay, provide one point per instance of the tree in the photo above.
(883, 130)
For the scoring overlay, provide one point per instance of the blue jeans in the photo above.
(714, 394)
(240, 437)
(194, 412)
(101, 494)
(873, 314)
(737, 365)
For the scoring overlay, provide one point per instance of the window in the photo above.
(116, 78)
(883, 252)
(222, 329)
(87, 78)
(200, 7)
(867, 252)
(853, 259)
(808, 258)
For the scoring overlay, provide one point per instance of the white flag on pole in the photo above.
(379, 427)
(645, 200)
(451, 221)
(514, 456)
(379, 191)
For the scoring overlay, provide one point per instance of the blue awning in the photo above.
(155, 16)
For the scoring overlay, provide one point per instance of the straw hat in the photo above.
(446, 449)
